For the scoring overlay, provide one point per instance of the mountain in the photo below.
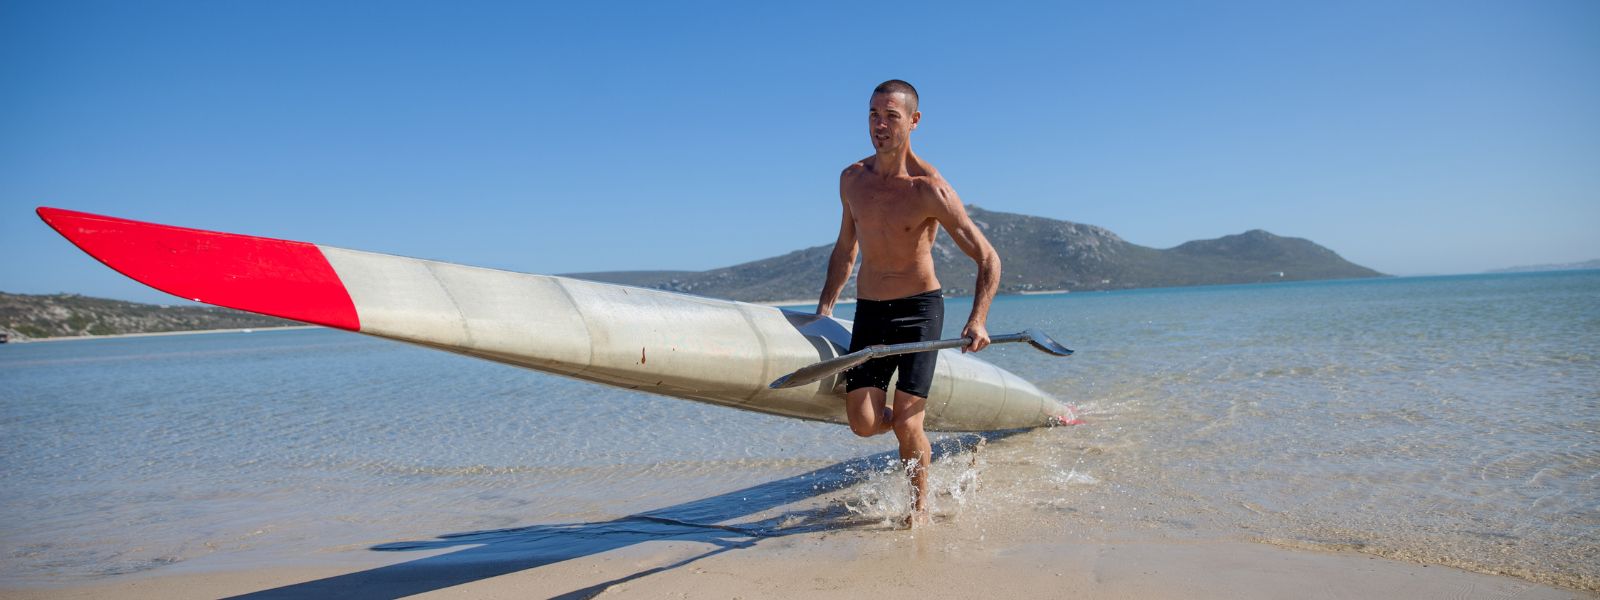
(1037, 254)
(25, 316)
(1577, 266)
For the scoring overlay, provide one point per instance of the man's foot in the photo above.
(888, 420)
(917, 518)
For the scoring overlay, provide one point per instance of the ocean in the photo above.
(1444, 420)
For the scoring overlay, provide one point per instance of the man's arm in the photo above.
(840, 262)
(953, 216)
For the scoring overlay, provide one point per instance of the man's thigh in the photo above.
(909, 408)
(864, 404)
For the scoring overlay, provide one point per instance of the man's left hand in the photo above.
(979, 335)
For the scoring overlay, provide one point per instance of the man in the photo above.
(894, 203)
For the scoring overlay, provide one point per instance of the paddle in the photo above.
(839, 363)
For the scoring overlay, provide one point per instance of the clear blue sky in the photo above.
(1411, 137)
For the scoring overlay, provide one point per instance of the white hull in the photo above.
(689, 347)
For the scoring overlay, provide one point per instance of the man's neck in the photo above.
(895, 163)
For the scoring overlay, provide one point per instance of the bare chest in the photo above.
(889, 209)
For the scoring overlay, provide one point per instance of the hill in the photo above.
(1038, 254)
(25, 316)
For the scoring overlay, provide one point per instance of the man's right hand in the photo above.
(979, 336)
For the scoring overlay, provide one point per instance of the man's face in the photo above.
(890, 121)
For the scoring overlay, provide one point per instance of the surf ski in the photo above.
(716, 351)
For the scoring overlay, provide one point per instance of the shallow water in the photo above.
(1449, 420)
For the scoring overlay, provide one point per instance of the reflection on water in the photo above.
(1448, 420)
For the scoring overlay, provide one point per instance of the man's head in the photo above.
(896, 86)
(892, 115)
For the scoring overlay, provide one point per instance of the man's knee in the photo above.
(908, 426)
(881, 422)
(908, 411)
(866, 412)
(864, 429)
(907, 431)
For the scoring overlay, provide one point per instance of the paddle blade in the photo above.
(820, 370)
(1043, 342)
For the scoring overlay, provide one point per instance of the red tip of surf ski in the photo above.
(1068, 419)
(274, 277)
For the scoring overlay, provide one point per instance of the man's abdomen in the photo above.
(873, 284)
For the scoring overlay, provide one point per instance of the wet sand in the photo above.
(850, 564)
(807, 536)
(776, 540)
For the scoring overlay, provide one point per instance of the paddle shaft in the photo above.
(838, 364)
(910, 347)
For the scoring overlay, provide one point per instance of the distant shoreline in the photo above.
(71, 338)
(811, 302)
(849, 301)
(853, 300)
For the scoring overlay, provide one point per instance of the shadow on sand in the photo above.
(486, 554)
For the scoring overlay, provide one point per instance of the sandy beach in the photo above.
(807, 537)
(945, 561)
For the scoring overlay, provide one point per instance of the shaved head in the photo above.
(896, 86)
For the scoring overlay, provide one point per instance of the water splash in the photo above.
(885, 494)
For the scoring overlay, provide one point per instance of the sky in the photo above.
(1410, 137)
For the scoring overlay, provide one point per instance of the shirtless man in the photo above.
(894, 204)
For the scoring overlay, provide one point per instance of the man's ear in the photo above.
(916, 117)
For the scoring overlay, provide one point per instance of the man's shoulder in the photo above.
(931, 184)
(856, 168)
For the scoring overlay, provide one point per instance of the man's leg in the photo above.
(915, 450)
(866, 411)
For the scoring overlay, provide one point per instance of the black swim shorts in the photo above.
(918, 318)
